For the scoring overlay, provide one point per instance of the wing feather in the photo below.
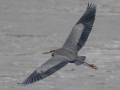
(48, 68)
(81, 30)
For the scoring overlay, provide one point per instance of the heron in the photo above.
(68, 53)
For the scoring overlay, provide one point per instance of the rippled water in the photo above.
(29, 27)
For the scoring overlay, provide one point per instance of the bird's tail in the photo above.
(80, 60)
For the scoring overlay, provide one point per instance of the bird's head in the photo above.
(50, 52)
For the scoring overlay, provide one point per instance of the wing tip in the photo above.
(89, 13)
(91, 5)
(32, 78)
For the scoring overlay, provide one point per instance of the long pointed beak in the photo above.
(45, 52)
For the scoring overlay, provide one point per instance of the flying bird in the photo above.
(68, 53)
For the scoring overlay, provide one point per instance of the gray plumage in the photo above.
(69, 51)
(48, 68)
(80, 60)
(81, 30)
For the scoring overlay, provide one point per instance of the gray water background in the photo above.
(30, 27)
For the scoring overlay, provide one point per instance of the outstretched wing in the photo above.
(48, 68)
(81, 30)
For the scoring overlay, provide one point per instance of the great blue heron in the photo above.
(68, 53)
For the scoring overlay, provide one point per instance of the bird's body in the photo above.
(68, 53)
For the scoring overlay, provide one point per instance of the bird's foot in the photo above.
(91, 65)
